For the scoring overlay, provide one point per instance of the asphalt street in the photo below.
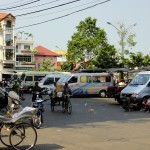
(95, 124)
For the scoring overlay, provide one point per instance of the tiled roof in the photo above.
(4, 15)
(61, 52)
(42, 51)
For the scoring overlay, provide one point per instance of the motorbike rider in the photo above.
(36, 88)
(65, 90)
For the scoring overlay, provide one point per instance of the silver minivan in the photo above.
(139, 86)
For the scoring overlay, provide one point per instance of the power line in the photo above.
(20, 5)
(12, 3)
(63, 15)
(47, 8)
(36, 5)
(57, 11)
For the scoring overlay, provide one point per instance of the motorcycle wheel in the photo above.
(37, 121)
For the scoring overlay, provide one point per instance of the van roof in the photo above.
(144, 72)
(84, 73)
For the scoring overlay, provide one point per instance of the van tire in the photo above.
(102, 94)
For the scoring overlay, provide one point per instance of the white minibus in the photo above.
(87, 83)
(48, 81)
(29, 78)
(139, 86)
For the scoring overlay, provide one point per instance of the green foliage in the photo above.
(137, 60)
(67, 66)
(89, 45)
(46, 66)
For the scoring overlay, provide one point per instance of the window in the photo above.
(16, 48)
(85, 79)
(27, 47)
(101, 79)
(22, 58)
(8, 37)
(38, 78)
(73, 80)
(49, 81)
(56, 79)
(8, 24)
(29, 78)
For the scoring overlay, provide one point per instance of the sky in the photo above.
(55, 33)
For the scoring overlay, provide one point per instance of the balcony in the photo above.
(9, 31)
(25, 64)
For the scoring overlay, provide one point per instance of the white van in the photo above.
(48, 81)
(87, 83)
(139, 86)
(29, 78)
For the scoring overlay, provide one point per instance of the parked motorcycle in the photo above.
(38, 103)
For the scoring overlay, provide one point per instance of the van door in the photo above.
(74, 84)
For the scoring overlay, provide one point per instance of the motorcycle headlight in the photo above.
(135, 95)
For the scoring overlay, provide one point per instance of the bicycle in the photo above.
(18, 132)
(66, 104)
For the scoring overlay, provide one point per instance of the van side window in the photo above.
(29, 78)
(73, 80)
(96, 79)
(108, 78)
(85, 79)
(38, 78)
(49, 81)
(56, 79)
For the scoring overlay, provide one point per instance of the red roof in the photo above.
(42, 51)
(4, 15)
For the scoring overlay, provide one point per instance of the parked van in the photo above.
(48, 81)
(30, 77)
(139, 86)
(87, 83)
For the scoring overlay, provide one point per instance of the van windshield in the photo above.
(22, 76)
(140, 79)
(43, 80)
(64, 79)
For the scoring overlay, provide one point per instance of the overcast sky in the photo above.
(54, 34)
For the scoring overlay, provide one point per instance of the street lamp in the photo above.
(122, 32)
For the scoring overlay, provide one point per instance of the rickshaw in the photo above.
(17, 131)
(58, 99)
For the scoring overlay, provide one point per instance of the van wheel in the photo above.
(30, 89)
(102, 94)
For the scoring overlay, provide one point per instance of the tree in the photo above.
(126, 41)
(88, 43)
(46, 66)
(67, 66)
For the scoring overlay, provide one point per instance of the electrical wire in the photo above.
(12, 3)
(63, 15)
(58, 11)
(20, 5)
(47, 8)
(36, 5)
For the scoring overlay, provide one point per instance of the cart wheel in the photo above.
(52, 106)
(4, 134)
(69, 109)
(26, 135)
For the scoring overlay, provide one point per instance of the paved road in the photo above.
(95, 124)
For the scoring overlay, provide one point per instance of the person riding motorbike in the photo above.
(36, 88)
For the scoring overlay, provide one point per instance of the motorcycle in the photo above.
(38, 103)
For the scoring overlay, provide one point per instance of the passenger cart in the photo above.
(17, 131)
(64, 102)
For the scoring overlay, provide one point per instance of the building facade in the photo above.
(7, 45)
(24, 55)
(44, 54)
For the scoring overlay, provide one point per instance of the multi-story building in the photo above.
(24, 52)
(7, 45)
